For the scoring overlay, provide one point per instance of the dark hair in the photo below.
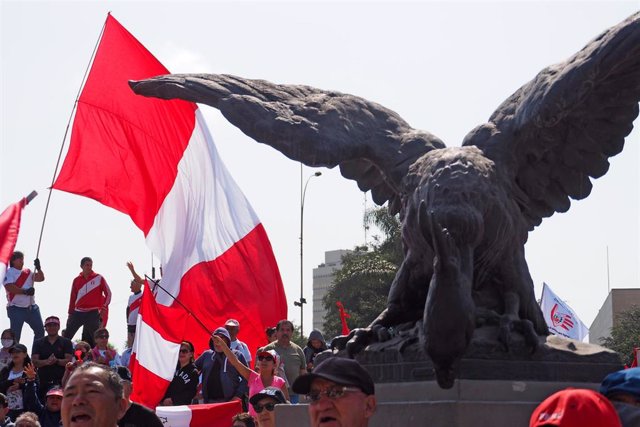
(10, 331)
(282, 322)
(191, 349)
(15, 256)
(3, 400)
(100, 331)
(270, 331)
(112, 379)
(244, 418)
(85, 259)
(27, 361)
(85, 345)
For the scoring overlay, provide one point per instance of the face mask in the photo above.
(6, 343)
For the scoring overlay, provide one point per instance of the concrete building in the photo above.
(322, 280)
(617, 301)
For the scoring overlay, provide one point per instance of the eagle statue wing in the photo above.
(559, 129)
(372, 144)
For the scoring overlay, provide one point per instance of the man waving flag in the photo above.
(9, 229)
(155, 161)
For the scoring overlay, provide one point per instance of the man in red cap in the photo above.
(50, 355)
(574, 407)
(49, 413)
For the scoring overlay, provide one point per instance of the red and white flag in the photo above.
(155, 161)
(208, 415)
(154, 357)
(9, 229)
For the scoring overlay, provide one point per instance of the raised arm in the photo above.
(240, 367)
(135, 275)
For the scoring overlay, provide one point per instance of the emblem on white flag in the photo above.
(560, 318)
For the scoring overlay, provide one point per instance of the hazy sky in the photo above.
(444, 67)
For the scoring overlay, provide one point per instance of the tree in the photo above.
(363, 282)
(625, 334)
(297, 337)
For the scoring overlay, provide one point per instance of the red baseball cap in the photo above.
(574, 407)
(52, 319)
(55, 391)
(272, 353)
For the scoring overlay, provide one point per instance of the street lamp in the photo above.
(302, 301)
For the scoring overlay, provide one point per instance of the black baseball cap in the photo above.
(18, 347)
(123, 372)
(338, 370)
(272, 392)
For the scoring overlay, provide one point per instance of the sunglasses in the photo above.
(268, 406)
(185, 350)
(266, 358)
(332, 393)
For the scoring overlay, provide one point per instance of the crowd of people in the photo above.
(88, 383)
(33, 381)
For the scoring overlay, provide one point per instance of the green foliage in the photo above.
(362, 284)
(298, 338)
(390, 245)
(625, 334)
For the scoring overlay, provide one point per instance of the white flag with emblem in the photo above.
(560, 318)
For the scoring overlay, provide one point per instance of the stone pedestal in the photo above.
(495, 387)
(556, 359)
(470, 403)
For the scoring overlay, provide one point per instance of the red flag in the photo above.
(9, 229)
(154, 357)
(343, 318)
(155, 161)
(208, 415)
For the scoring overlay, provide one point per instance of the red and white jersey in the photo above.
(23, 279)
(133, 307)
(87, 294)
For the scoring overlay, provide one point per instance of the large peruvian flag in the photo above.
(159, 332)
(155, 161)
(209, 415)
(9, 229)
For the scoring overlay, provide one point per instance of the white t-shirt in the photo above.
(14, 398)
(242, 348)
(19, 300)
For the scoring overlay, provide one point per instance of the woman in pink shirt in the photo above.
(267, 364)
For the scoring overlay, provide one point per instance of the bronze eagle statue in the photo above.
(466, 211)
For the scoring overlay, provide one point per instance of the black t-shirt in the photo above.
(214, 384)
(139, 416)
(51, 374)
(184, 385)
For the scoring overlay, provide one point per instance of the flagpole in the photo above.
(66, 131)
(608, 281)
(157, 283)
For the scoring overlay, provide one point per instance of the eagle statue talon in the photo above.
(360, 338)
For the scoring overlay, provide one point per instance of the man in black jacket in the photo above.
(136, 415)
